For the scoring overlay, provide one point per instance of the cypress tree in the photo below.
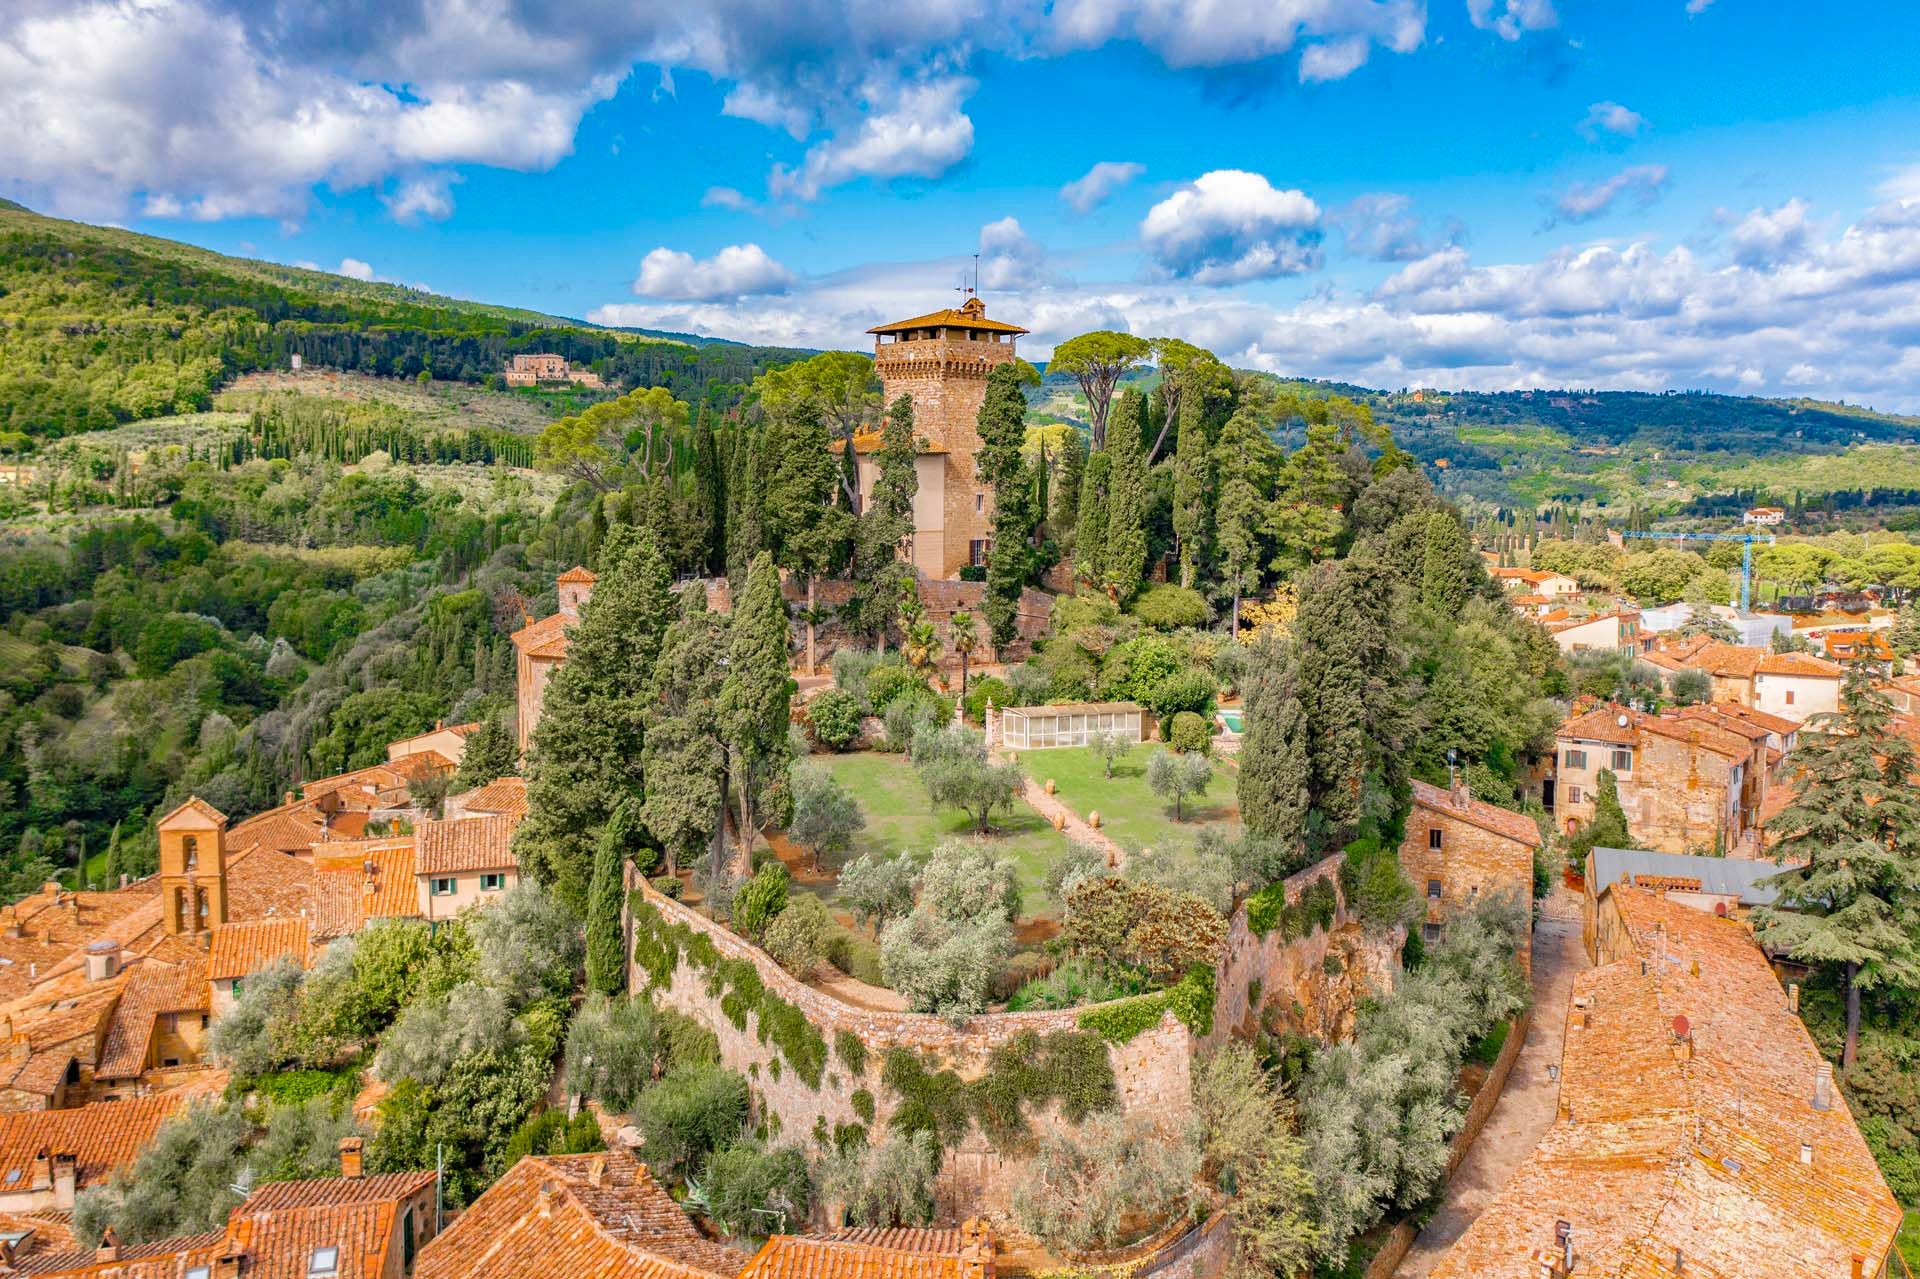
(587, 750)
(606, 958)
(1275, 765)
(755, 693)
(812, 527)
(1444, 580)
(684, 758)
(1063, 515)
(488, 755)
(1090, 535)
(1238, 515)
(1351, 688)
(1126, 551)
(1192, 486)
(884, 526)
(709, 507)
(1002, 426)
(739, 459)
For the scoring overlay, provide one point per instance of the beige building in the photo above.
(1617, 632)
(449, 741)
(1686, 783)
(464, 862)
(1460, 850)
(1796, 686)
(942, 360)
(532, 370)
(541, 646)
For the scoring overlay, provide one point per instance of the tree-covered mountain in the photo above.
(100, 326)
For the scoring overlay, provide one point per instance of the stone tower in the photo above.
(193, 868)
(942, 361)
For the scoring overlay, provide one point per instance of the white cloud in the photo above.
(1095, 187)
(1698, 6)
(1229, 226)
(1509, 19)
(1769, 237)
(1903, 187)
(430, 196)
(1335, 36)
(739, 270)
(354, 269)
(1333, 59)
(727, 198)
(1009, 258)
(1585, 201)
(1382, 226)
(1611, 118)
(920, 133)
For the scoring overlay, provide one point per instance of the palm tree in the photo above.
(921, 647)
(964, 641)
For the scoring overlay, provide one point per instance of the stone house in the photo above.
(1684, 784)
(449, 741)
(1614, 632)
(545, 366)
(463, 862)
(541, 646)
(241, 950)
(49, 1156)
(1459, 850)
(1528, 581)
(1698, 1130)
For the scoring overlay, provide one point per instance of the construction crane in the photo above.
(1746, 554)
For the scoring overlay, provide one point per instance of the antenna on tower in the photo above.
(976, 275)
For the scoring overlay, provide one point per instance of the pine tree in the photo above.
(1126, 552)
(755, 694)
(1444, 581)
(1003, 432)
(587, 749)
(489, 755)
(1855, 824)
(1240, 461)
(685, 760)
(1192, 486)
(709, 505)
(1090, 536)
(606, 957)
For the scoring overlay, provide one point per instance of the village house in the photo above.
(448, 741)
(1904, 692)
(1459, 851)
(348, 1227)
(941, 360)
(576, 1215)
(541, 646)
(1796, 686)
(1725, 886)
(1764, 516)
(1698, 1129)
(1526, 581)
(49, 1156)
(1684, 783)
(1614, 632)
(464, 862)
(545, 366)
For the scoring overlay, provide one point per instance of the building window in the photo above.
(977, 552)
(1623, 761)
(324, 1263)
(234, 988)
(168, 1063)
(1433, 838)
(1576, 759)
(1573, 794)
(190, 848)
(1433, 890)
(493, 883)
(1789, 697)
(442, 886)
(1430, 933)
(979, 502)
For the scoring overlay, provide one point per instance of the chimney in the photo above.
(1823, 1086)
(597, 1171)
(42, 1170)
(109, 1249)
(976, 1250)
(350, 1166)
(548, 1193)
(66, 1176)
(7, 1258)
(288, 799)
(1793, 997)
(1859, 1266)
(227, 1266)
(103, 959)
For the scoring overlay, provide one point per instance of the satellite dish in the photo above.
(1681, 1028)
(1623, 721)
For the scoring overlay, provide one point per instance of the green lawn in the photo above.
(1908, 1241)
(899, 816)
(1132, 814)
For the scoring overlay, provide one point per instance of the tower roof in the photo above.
(577, 573)
(195, 807)
(971, 314)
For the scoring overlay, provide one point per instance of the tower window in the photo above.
(1434, 838)
(979, 501)
(977, 551)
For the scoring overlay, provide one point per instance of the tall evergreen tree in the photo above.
(1854, 822)
(1193, 486)
(606, 957)
(685, 760)
(884, 527)
(1090, 536)
(1444, 581)
(587, 750)
(1274, 786)
(709, 506)
(1241, 463)
(1304, 517)
(1351, 688)
(754, 696)
(1127, 498)
(488, 755)
(1001, 465)
(1063, 514)
(811, 527)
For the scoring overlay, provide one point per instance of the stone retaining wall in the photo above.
(1152, 1072)
(1489, 1095)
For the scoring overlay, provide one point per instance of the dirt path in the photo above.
(1526, 1109)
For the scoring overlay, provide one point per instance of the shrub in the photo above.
(1187, 690)
(668, 886)
(1168, 608)
(1161, 932)
(528, 943)
(887, 684)
(617, 1048)
(851, 668)
(886, 1185)
(1133, 670)
(987, 688)
(693, 1112)
(798, 936)
(906, 716)
(1189, 733)
(1028, 684)
(760, 899)
(753, 1191)
(834, 718)
(855, 956)
(1110, 1182)
(551, 1133)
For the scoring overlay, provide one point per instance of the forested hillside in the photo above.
(100, 326)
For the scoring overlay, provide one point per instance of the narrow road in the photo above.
(1526, 1109)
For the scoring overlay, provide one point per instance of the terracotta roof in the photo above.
(1694, 1146)
(1729, 661)
(346, 894)
(1624, 615)
(1519, 575)
(466, 844)
(158, 1259)
(971, 314)
(1697, 732)
(1805, 664)
(286, 829)
(578, 573)
(899, 1238)
(463, 730)
(262, 883)
(54, 925)
(103, 1136)
(504, 796)
(247, 947)
(196, 807)
(549, 1208)
(1776, 724)
(1601, 724)
(152, 988)
(52, 1231)
(1717, 716)
(1488, 817)
(837, 1257)
(544, 638)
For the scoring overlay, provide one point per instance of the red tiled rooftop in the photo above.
(466, 844)
(1478, 812)
(246, 947)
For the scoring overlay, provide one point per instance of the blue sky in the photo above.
(1483, 193)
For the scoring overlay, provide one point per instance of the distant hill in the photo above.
(100, 326)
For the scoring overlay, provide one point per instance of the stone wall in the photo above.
(1152, 1072)
(1314, 983)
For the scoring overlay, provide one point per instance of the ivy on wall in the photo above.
(658, 948)
(1268, 910)
(1190, 999)
(1028, 1072)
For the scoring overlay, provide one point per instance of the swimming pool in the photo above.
(1231, 718)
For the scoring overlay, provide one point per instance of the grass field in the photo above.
(899, 816)
(1129, 811)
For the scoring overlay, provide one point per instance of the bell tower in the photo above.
(193, 868)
